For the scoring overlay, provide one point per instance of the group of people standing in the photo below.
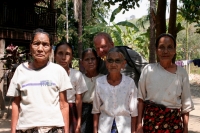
(118, 91)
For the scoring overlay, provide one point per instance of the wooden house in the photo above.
(18, 19)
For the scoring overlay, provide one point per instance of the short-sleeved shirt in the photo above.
(163, 87)
(39, 91)
(115, 102)
(88, 96)
(78, 83)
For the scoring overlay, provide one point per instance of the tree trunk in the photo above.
(80, 47)
(152, 56)
(161, 17)
(172, 18)
(67, 30)
(2, 89)
(88, 8)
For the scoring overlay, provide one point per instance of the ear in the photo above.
(124, 64)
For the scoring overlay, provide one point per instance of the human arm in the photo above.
(79, 111)
(64, 107)
(140, 115)
(95, 122)
(133, 124)
(15, 113)
(185, 118)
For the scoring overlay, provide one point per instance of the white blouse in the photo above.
(163, 87)
(115, 102)
(88, 96)
(78, 83)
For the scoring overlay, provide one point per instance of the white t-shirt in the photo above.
(39, 91)
(163, 87)
(78, 83)
(90, 82)
(115, 102)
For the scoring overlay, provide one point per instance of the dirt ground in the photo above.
(194, 121)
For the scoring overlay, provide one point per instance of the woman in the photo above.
(164, 92)
(39, 90)
(90, 63)
(63, 56)
(115, 99)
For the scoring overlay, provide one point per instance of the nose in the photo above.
(40, 47)
(165, 50)
(63, 57)
(90, 61)
(101, 49)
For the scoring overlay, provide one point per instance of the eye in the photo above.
(93, 58)
(87, 59)
(36, 43)
(45, 44)
(118, 61)
(60, 53)
(161, 47)
(110, 60)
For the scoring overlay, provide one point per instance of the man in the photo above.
(135, 62)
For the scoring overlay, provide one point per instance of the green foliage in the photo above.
(191, 12)
(123, 4)
(97, 14)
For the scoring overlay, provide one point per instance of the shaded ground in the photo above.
(194, 122)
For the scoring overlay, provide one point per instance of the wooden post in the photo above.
(2, 98)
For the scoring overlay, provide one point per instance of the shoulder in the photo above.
(181, 71)
(74, 71)
(56, 67)
(151, 66)
(101, 79)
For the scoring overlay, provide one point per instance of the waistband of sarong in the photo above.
(49, 129)
(153, 104)
(72, 104)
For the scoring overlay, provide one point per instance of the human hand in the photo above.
(78, 130)
(185, 130)
(139, 128)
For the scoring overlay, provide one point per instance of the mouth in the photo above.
(40, 55)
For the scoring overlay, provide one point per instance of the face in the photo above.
(166, 49)
(63, 56)
(115, 62)
(102, 46)
(40, 47)
(89, 62)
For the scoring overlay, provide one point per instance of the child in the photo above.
(89, 62)
(63, 56)
(115, 100)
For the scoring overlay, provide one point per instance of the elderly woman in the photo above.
(39, 91)
(164, 92)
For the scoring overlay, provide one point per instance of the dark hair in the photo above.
(168, 35)
(116, 49)
(95, 54)
(63, 43)
(104, 34)
(163, 35)
(89, 49)
(39, 30)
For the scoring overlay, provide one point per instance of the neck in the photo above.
(166, 64)
(114, 77)
(91, 74)
(67, 69)
(37, 65)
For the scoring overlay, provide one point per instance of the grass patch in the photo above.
(194, 69)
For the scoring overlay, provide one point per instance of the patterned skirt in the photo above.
(73, 116)
(159, 119)
(35, 130)
(87, 118)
